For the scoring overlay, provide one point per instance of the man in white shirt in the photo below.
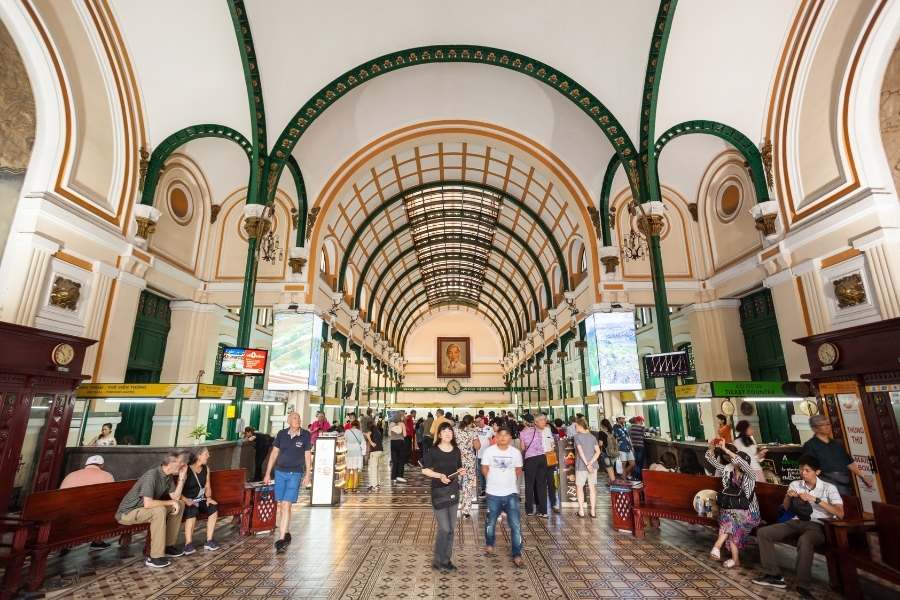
(501, 465)
(812, 500)
(485, 434)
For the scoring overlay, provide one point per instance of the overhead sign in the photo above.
(694, 390)
(441, 389)
(593, 360)
(243, 361)
(617, 351)
(730, 389)
(137, 390)
(667, 364)
(644, 395)
(296, 351)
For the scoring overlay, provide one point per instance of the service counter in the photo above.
(781, 460)
(130, 462)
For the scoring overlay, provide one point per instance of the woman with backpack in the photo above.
(738, 507)
(609, 449)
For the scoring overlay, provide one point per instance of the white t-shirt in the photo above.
(501, 477)
(824, 490)
(485, 434)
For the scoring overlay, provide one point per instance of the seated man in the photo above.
(91, 474)
(811, 500)
(155, 499)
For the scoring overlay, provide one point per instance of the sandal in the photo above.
(715, 554)
(580, 514)
(731, 563)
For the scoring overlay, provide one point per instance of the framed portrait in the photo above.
(454, 357)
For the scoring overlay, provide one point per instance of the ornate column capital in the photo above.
(609, 258)
(257, 220)
(765, 214)
(650, 217)
(298, 258)
(146, 218)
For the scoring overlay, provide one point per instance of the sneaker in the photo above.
(530, 514)
(99, 545)
(400, 480)
(542, 515)
(157, 563)
(280, 547)
(775, 581)
(173, 551)
(211, 545)
(803, 592)
(556, 509)
(189, 549)
(450, 566)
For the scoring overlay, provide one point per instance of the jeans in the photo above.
(481, 481)
(638, 461)
(536, 484)
(397, 459)
(551, 487)
(443, 541)
(808, 534)
(509, 505)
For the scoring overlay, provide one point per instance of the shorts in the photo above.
(583, 477)
(606, 461)
(193, 511)
(287, 486)
(626, 456)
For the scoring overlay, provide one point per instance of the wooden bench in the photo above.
(74, 516)
(853, 550)
(667, 495)
(12, 554)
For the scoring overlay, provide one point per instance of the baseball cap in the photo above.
(94, 460)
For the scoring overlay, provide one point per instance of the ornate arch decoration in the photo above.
(302, 202)
(453, 53)
(169, 145)
(492, 317)
(557, 250)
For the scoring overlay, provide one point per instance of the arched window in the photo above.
(323, 261)
(582, 261)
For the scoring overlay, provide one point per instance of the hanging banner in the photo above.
(617, 351)
(860, 447)
(593, 357)
(296, 351)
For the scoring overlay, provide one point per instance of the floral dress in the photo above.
(737, 524)
(464, 440)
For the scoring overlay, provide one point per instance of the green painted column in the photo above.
(561, 356)
(580, 345)
(528, 373)
(378, 385)
(359, 363)
(664, 329)
(345, 356)
(245, 322)
(548, 362)
(326, 347)
(369, 382)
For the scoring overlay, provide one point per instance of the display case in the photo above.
(329, 468)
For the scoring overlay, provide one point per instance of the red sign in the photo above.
(255, 361)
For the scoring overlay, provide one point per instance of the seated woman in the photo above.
(197, 498)
(738, 507)
(667, 462)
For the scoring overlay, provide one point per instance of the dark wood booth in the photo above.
(856, 372)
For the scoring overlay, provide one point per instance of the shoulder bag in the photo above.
(611, 447)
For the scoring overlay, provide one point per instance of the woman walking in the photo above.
(197, 498)
(375, 445)
(354, 439)
(738, 508)
(443, 464)
(745, 443)
(468, 443)
(397, 435)
(609, 448)
(586, 465)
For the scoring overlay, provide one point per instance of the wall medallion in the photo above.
(65, 293)
(849, 290)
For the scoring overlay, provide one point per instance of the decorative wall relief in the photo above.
(849, 290)
(890, 115)
(17, 115)
(65, 293)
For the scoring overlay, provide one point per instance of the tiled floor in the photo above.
(378, 546)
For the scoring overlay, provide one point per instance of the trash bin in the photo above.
(621, 504)
(258, 515)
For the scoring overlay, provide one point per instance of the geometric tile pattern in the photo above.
(378, 547)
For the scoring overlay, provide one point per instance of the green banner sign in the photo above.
(731, 389)
(443, 389)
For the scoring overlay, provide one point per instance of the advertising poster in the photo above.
(617, 351)
(233, 360)
(296, 351)
(255, 361)
(593, 358)
(858, 445)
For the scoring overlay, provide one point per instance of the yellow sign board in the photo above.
(137, 390)
(230, 411)
(217, 392)
(644, 395)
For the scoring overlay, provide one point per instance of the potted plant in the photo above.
(198, 434)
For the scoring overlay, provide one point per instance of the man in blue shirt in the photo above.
(292, 460)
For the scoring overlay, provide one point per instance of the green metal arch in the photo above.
(302, 203)
(398, 330)
(491, 267)
(741, 142)
(518, 328)
(605, 191)
(165, 149)
(387, 239)
(411, 249)
(501, 330)
(448, 53)
(560, 256)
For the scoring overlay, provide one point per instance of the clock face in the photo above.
(727, 408)
(827, 353)
(62, 354)
(453, 387)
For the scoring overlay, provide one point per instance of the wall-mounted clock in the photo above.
(828, 354)
(62, 355)
(727, 408)
(746, 408)
(453, 387)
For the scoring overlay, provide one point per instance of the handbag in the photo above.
(552, 459)
(801, 509)
(446, 495)
(733, 497)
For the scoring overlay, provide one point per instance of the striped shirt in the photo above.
(748, 481)
(636, 433)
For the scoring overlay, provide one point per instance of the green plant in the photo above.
(198, 432)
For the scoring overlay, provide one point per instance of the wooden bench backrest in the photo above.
(228, 486)
(675, 490)
(887, 519)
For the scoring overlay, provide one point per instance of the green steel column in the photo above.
(326, 346)
(581, 345)
(245, 325)
(359, 363)
(664, 329)
(549, 362)
(528, 372)
(378, 386)
(369, 383)
(561, 356)
(344, 356)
